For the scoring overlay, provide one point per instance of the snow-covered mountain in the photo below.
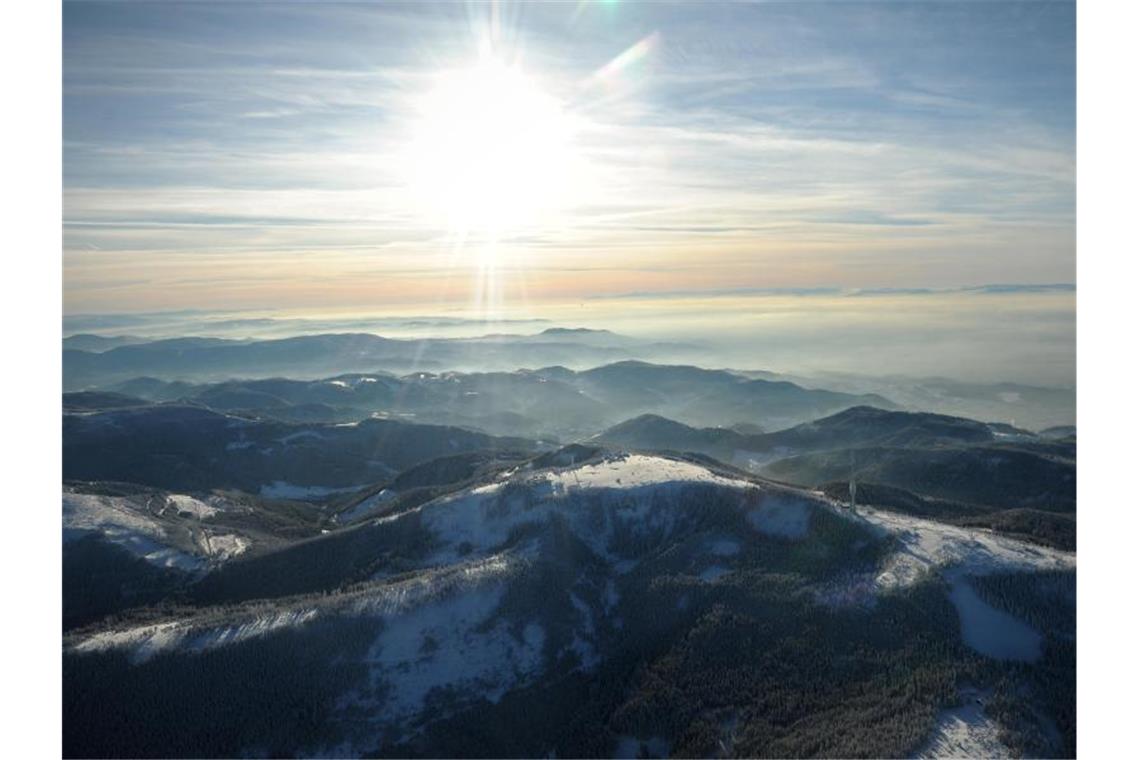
(624, 576)
(126, 545)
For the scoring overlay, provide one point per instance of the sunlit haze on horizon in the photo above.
(802, 187)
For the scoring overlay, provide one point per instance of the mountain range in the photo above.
(90, 361)
(584, 602)
(549, 402)
(321, 546)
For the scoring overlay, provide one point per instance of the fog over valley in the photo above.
(1003, 354)
(1020, 334)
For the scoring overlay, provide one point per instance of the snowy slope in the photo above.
(365, 507)
(965, 732)
(445, 623)
(926, 547)
(172, 530)
(117, 520)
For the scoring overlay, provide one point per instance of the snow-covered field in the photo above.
(929, 545)
(988, 630)
(955, 553)
(199, 509)
(222, 546)
(164, 530)
(445, 642)
(634, 470)
(117, 520)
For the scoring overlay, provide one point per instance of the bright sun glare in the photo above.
(491, 150)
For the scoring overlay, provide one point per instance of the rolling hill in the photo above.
(623, 604)
(553, 402)
(186, 447)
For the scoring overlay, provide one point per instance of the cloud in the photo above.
(1006, 289)
(847, 144)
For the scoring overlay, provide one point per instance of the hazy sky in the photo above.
(314, 155)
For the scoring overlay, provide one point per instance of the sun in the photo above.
(491, 151)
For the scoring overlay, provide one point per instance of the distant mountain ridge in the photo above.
(857, 426)
(548, 402)
(89, 362)
(99, 343)
(187, 447)
(1019, 404)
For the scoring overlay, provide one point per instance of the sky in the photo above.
(318, 156)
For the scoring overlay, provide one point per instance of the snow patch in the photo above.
(223, 546)
(117, 520)
(927, 545)
(189, 504)
(631, 494)
(210, 630)
(442, 644)
(582, 644)
(365, 507)
(965, 732)
(711, 573)
(146, 640)
(149, 640)
(610, 596)
(259, 626)
(988, 630)
(633, 470)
